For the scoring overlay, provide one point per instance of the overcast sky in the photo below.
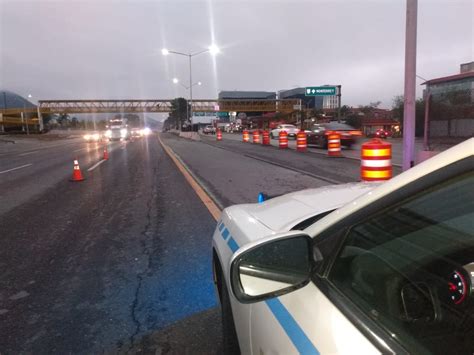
(112, 49)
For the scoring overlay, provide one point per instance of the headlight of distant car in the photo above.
(123, 132)
(108, 133)
(87, 137)
(146, 131)
(96, 136)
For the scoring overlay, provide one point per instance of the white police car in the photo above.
(389, 272)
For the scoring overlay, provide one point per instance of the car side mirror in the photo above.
(272, 267)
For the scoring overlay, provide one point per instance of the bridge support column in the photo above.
(40, 120)
(2, 128)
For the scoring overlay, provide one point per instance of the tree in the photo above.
(179, 112)
(354, 120)
(63, 120)
(345, 110)
(133, 119)
(398, 108)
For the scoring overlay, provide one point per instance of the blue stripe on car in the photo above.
(233, 245)
(221, 226)
(297, 336)
(291, 328)
(225, 233)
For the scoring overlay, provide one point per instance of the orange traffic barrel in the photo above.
(245, 136)
(76, 172)
(283, 140)
(301, 141)
(265, 137)
(256, 137)
(219, 134)
(334, 144)
(106, 153)
(376, 160)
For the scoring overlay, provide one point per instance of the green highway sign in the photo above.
(320, 91)
(222, 114)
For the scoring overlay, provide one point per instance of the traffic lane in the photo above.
(40, 153)
(30, 146)
(98, 265)
(334, 170)
(353, 152)
(233, 178)
(43, 171)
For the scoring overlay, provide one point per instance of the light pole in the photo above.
(213, 50)
(410, 78)
(24, 116)
(176, 81)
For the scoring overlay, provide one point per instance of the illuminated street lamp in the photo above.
(213, 50)
(176, 81)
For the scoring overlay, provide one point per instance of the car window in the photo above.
(411, 269)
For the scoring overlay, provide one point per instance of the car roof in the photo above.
(450, 156)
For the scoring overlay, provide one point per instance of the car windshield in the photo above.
(288, 126)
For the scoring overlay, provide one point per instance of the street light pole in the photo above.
(191, 90)
(213, 49)
(410, 85)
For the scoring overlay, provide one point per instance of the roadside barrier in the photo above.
(301, 141)
(219, 134)
(265, 137)
(106, 153)
(376, 160)
(245, 136)
(283, 140)
(76, 172)
(334, 144)
(256, 137)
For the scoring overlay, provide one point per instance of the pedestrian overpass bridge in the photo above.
(15, 116)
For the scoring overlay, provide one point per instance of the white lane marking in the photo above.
(78, 150)
(28, 153)
(96, 165)
(18, 167)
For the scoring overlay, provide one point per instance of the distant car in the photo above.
(318, 134)
(136, 133)
(209, 130)
(381, 133)
(292, 131)
(95, 136)
(391, 270)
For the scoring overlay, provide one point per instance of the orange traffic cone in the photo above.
(76, 173)
(106, 153)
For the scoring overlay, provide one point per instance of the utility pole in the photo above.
(410, 85)
(339, 103)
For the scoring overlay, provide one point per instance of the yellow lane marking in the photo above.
(205, 198)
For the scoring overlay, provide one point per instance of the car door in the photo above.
(396, 276)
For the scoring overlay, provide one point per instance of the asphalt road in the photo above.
(121, 262)
(98, 266)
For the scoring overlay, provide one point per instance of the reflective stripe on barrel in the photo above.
(265, 137)
(283, 140)
(334, 144)
(245, 136)
(256, 136)
(376, 160)
(301, 143)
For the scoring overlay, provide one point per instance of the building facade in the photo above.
(451, 105)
